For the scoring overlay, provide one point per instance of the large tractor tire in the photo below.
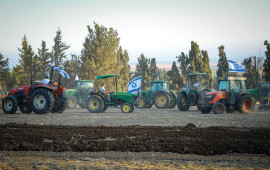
(25, 109)
(201, 100)
(181, 102)
(10, 105)
(218, 108)
(172, 102)
(41, 101)
(245, 104)
(61, 105)
(72, 102)
(95, 104)
(161, 100)
(127, 108)
(142, 103)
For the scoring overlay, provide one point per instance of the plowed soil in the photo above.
(187, 139)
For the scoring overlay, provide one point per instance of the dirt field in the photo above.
(79, 139)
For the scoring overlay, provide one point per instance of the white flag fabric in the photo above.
(235, 67)
(76, 78)
(53, 63)
(62, 72)
(135, 85)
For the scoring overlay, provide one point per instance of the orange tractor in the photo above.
(232, 96)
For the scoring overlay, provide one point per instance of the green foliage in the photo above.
(184, 64)
(223, 66)
(4, 70)
(142, 69)
(195, 59)
(100, 54)
(163, 75)
(73, 68)
(59, 49)
(124, 72)
(153, 70)
(266, 64)
(250, 70)
(206, 68)
(175, 78)
(44, 62)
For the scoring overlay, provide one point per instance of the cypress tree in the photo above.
(44, 59)
(266, 64)
(184, 65)
(223, 66)
(206, 68)
(249, 73)
(4, 70)
(195, 58)
(153, 69)
(175, 78)
(142, 69)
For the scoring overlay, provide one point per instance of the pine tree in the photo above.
(175, 78)
(4, 70)
(99, 55)
(249, 73)
(163, 75)
(73, 68)
(26, 62)
(223, 66)
(124, 73)
(266, 64)
(153, 69)
(143, 70)
(195, 58)
(44, 60)
(59, 49)
(206, 68)
(184, 64)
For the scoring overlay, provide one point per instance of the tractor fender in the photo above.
(242, 94)
(42, 86)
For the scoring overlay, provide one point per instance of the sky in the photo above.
(157, 28)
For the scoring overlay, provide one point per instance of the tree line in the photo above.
(102, 54)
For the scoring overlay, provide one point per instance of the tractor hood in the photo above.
(213, 97)
(216, 92)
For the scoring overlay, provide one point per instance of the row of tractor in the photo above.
(231, 96)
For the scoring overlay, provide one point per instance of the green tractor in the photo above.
(98, 102)
(190, 96)
(160, 95)
(262, 94)
(80, 94)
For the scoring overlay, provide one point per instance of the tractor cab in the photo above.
(159, 86)
(84, 87)
(233, 86)
(196, 82)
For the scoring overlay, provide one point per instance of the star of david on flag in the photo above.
(135, 85)
(235, 67)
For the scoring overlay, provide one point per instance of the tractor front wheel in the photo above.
(172, 101)
(245, 104)
(181, 102)
(141, 103)
(61, 104)
(41, 101)
(162, 100)
(218, 108)
(95, 104)
(10, 105)
(72, 102)
(25, 109)
(127, 108)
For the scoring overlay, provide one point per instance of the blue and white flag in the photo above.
(135, 85)
(62, 72)
(235, 67)
(53, 63)
(187, 88)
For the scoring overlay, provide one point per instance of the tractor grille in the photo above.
(211, 98)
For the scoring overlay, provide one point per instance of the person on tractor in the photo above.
(105, 92)
(46, 80)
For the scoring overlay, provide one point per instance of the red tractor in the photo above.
(232, 96)
(39, 98)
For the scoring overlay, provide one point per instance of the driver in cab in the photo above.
(104, 91)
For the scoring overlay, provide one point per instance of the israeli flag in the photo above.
(53, 63)
(135, 85)
(62, 72)
(187, 87)
(235, 67)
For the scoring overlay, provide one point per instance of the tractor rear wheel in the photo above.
(10, 105)
(95, 104)
(161, 100)
(142, 103)
(218, 108)
(25, 109)
(172, 101)
(245, 104)
(41, 101)
(127, 108)
(72, 102)
(181, 102)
